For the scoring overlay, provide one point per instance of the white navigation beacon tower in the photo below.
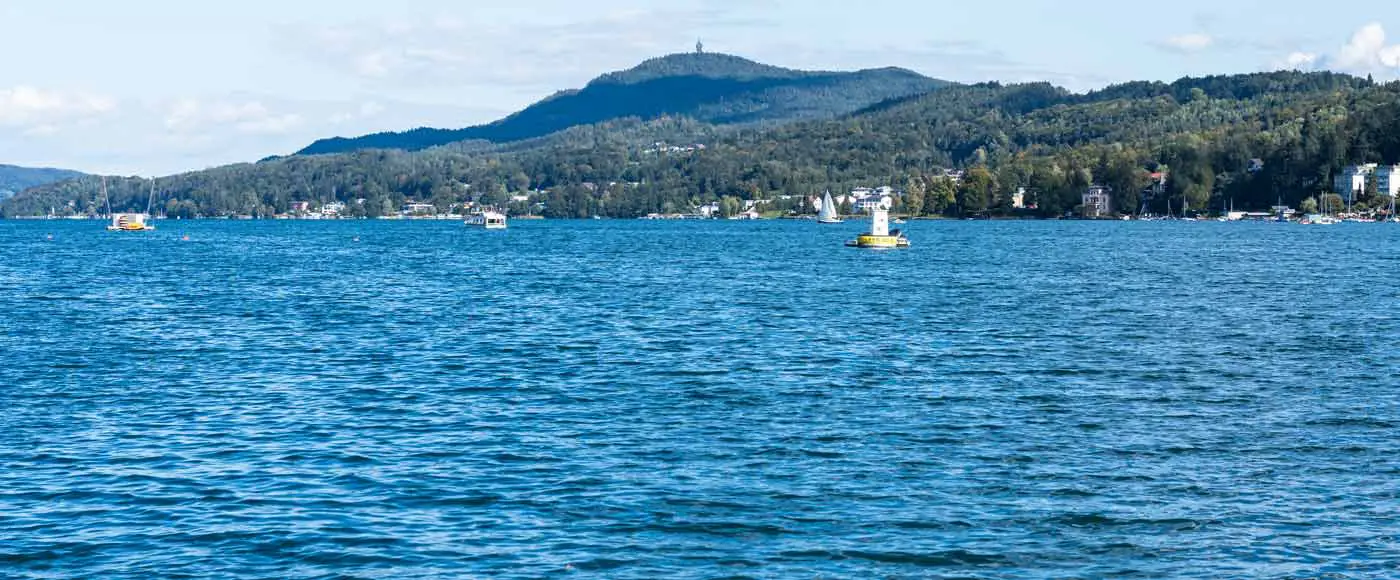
(880, 235)
(879, 221)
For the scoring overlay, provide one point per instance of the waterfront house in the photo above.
(419, 209)
(874, 202)
(868, 199)
(752, 203)
(1156, 184)
(1098, 201)
(1156, 189)
(1388, 180)
(1352, 180)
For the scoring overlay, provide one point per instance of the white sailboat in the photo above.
(827, 215)
(1321, 219)
(129, 222)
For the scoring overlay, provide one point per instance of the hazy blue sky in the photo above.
(146, 87)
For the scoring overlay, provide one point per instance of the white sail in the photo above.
(828, 211)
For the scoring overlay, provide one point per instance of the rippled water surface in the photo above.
(627, 399)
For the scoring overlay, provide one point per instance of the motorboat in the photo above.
(490, 220)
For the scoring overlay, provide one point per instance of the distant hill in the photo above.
(1247, 140)
(14, 179)
(714, 88)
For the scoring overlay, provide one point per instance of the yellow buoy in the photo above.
(880, 236)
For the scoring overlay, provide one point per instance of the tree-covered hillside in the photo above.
(714, 88)
(1250, 139)
(14, 179)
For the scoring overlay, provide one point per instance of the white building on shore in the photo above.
(1388, 180)
(1098, 201)
(1352, 180)
(867, 199)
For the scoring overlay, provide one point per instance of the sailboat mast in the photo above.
(106, 197)
(150, 198)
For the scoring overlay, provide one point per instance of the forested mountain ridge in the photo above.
(14, 179)
(714, 88)
(1261, 137)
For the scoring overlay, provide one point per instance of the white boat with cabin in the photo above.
(490, 220)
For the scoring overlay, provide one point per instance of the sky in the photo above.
(148, 87)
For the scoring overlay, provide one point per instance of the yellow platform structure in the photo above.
(880, 237)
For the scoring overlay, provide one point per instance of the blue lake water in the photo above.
(629, 399)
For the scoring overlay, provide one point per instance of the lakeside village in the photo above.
(1097, 201)
(1377, 184)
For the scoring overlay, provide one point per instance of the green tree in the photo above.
(1370, 192)
(942, 194)
(494, 196)
(1308, 205)
(912, 202)
(519, 182)
(1127, 180)
(374, 208)
(1333, 203)
(730, 206)
(976, 191)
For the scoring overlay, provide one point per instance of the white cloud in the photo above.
(506, 56)
(168, 136)
(1362, 51)
(373, 64)
(30, 107)
(1298, 61)
(249, 117)
(1193, 42)
(45, 130)
(1366, 53)
(370, 109)
(366, 110)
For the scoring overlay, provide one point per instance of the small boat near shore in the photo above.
(1318, 220)
(490, 220)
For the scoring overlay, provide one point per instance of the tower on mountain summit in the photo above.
(699, 46)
